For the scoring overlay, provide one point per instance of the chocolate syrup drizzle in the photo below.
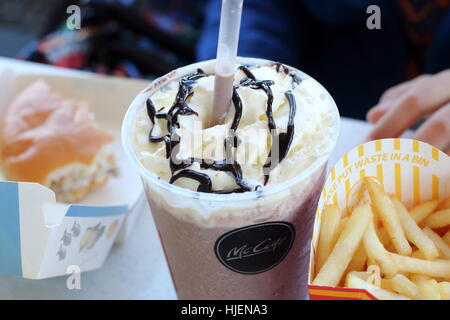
(180, 107)
(295, 80)
(284, 138)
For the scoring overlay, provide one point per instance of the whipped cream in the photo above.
(312, 138)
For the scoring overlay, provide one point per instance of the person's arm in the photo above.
(402, 106)
(264, 32)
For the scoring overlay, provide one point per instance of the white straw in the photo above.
(230, 21)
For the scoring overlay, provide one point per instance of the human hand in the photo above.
(402, 106)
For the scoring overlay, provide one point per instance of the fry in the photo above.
(429, 290)
(364, 275)
(420, 212)
(346, 245)
(443, 247)
(371, 261)
(445, 204)
(414, 233)
(329, 228)
(446, 237)
(438, 219)
(444, 290)
(436, 268)
(342, 225)
(353, 281)
(417, 254)
(359, 259)
(377, 252)
(402, 285)
(390, 247)
(352, 262)
(416, 278)
(384, 206)
(384, 237)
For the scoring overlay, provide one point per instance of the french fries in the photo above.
(381, 236)
(444, 290)
(445, 204)
(436, 268)
(359, 259)
(331, 218)
(417, 278)
(354, 281)
(438, 219)
(422, 211)
(384, 206)
(417, 254)
(377, 252)
(446, 237)
(346, 245)
(384, 237)
(342, 224)
(401, 285)
(443, 247)
(429, 290)
(414, 233)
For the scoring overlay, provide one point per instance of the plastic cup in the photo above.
(252, 245)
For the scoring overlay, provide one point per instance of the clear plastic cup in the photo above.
(252, 245)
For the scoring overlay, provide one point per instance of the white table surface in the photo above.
(136, 269)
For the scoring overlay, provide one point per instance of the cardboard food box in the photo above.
(41, 238)
(412, 171)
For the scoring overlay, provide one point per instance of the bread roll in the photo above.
(54, 141)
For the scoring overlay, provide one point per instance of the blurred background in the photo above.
(117, 37)
(328, 39)
(25, 20)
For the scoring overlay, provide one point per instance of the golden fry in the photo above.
(422, 211)
(438, 219)
(402, 285)
(384, 237)
(342, 225)
(443, 247)
(429, 290)
(444, 290)
(445, 204)
(359, 259)
(385, 207)
(436, 268)
(346, 245)
(418, 254)
(377, 252)
(364, 275)
(417, 278)
(330, 219)
(353, 281)
(446, 237)
(414, 233)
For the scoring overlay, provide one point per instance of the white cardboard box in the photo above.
(40, 238)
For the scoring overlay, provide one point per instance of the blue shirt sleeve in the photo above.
(264, 32)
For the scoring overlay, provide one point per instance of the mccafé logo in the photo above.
(246, 251)
(255, 249)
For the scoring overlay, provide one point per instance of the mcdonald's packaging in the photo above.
(42, 238)
(411, 171)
